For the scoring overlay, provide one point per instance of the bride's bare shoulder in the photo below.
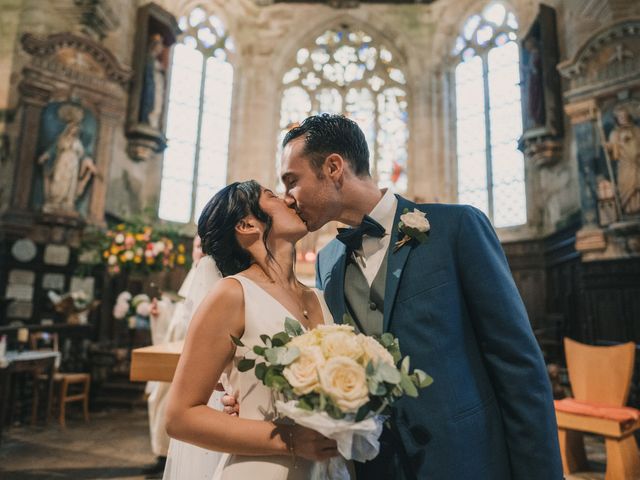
(227, 292)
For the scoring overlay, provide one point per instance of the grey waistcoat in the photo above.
(366, 304)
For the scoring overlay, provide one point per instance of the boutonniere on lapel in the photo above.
(414, 225)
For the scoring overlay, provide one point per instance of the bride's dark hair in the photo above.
(218, 221)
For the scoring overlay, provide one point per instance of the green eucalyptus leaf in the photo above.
(246, 364)
(389, 373)
(408, 386)
(237, 341)
(305, 404)
(423, 380)
(261, 370)
(280, 339)
(387, 339)
(405, 365)
(362, 413)
(370, 369)
(258, 350)
(266, 340)
(292, 327)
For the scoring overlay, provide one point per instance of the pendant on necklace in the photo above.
(305, 314)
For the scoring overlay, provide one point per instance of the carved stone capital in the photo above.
(543, 151)
(97, 17)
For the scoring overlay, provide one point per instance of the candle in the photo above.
(23, 335)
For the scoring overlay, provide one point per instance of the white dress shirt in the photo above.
(370, 257)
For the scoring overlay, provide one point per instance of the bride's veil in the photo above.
(186, 461)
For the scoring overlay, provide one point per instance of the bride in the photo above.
(250, 233)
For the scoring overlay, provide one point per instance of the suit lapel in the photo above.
(395, 263)
(335, 287)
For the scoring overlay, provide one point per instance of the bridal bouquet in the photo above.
(337, 382)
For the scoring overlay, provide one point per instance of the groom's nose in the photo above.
(289, 200)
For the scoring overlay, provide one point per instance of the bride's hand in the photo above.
(308, 444)
(230, 405)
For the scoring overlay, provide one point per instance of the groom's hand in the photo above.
(230, 405)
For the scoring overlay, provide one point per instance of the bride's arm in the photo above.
(207, 350)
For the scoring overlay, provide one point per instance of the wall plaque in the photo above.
(24, 250)
(57, 255)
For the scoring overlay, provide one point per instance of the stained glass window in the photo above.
(198, 117)
(345, 71)
(488, 119)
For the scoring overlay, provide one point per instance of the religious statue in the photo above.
(534, 93)
(153, 83)
(67, 168)
(624, 146)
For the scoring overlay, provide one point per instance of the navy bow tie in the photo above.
(352, 237)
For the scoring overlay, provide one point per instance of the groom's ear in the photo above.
(334, 166)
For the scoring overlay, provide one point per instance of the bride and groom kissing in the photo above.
(446, 294)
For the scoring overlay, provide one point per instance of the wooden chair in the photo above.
(600, 379)
(62, 382)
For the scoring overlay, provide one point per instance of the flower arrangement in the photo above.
(73, 305)
(135, 309)
(142, 248)
(335, 381)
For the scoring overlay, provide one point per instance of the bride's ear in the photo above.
(248, 226)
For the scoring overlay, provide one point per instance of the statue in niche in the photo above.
(67, 166)
(533, 81)
(154, 82)
(624, 146)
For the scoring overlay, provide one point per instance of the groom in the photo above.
(450, 300)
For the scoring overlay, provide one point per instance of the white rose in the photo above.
(124, 297)
(302, 374)
(374, 351)
(112, 260)
(416, 220)
(345, 382)
(158, 247)
(308, 339)
(341, 344)
(143, 309)
(334, 327)
(120, 309)
(119, 238)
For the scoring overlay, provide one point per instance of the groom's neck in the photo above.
(359, 197)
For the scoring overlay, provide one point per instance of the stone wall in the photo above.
(267, 37)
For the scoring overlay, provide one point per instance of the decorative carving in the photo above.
(75, 56)
(543, 151)
(608, 60)
(580, 112)
(97, 18)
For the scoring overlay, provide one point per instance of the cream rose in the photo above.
(373, 351)
(340, 343)
(326, 329)
(308, 339)
(302, 374)
(416, 220)
(345, 382)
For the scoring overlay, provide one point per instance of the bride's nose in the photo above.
(289, 200)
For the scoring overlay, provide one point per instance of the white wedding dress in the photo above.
(263, 315)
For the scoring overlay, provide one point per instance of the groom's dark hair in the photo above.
(325, 134)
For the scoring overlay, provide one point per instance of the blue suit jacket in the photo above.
(456, 311)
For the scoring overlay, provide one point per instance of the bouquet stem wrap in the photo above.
(357, 441)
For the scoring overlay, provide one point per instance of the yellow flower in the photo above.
(105, 254)
(114, 249)
(181, 248)
(150, 260)
(120, 227)
(137, 259)
(140, 237)
(181, 259)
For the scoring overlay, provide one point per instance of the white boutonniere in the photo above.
(414, 225)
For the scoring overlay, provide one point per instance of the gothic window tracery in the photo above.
(488, 116)
(346, 71)
(198, 117)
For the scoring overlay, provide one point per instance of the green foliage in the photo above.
(292, 328)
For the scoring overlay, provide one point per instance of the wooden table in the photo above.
(36, 362)
(157, 362)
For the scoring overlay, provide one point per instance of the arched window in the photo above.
(488, 117)
(198, 117)
(347, 72)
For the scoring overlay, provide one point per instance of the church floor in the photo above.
(115, 445)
